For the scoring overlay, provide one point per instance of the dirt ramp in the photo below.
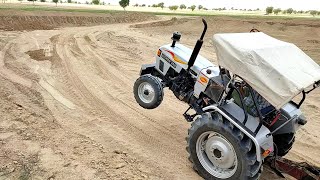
(172, 21)
(47, 21)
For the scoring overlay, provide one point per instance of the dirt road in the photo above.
(69, 113)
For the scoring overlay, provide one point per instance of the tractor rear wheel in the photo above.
(284, 143)
(148, 91)
(218, 150)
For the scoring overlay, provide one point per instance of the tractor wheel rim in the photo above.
(216, 154)
(146, 92)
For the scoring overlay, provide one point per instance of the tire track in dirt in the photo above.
(129, 127)
(95, 68)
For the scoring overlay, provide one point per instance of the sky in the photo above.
(239, 4)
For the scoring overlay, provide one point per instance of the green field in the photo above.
(156, 11)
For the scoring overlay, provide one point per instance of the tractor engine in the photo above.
(182, 86)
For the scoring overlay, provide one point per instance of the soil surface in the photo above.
(67, 107)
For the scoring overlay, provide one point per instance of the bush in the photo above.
(200, 7)
(55, 1)
(124, 3)
(313, 12)
(269, 10)
(193, 7)
(276, 11)
(161, 5)
(173, 7)
(96, 2)
(182, 6)
(290, 11)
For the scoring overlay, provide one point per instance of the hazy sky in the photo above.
(248, 4)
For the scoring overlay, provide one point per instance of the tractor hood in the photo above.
(277, 70)
(181, 55)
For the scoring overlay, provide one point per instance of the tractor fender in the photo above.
(147, 68)
(254, 140)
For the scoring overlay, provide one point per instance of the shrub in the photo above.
(313, 12)
(182, 6)
(276, 11)
(55, 1)
(173, 7)
(96, 2)
(193, 7)
(161, 5)
(269, 10)
(290, 11)
(124, 3)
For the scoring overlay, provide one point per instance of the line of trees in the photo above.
(174, 7)
(276, 11)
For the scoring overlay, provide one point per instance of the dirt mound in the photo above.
(47, 21)
(173, 21)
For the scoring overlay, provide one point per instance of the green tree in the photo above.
(193, 7)
(42, 0)
(290, 11)
(182, 6)
(200, 7)
(96, 2)
(313, 12)
(269, 10)
(173, 7)
(69, 1)
(276, 11)
(55, 1)
(124, 3)
(161, 5)
(284, 12)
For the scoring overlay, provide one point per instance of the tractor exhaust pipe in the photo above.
(197, 47)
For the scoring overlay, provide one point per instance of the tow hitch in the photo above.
(300, 171)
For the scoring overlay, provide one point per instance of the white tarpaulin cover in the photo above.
(277, 70)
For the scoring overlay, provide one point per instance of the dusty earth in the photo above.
(67, 108)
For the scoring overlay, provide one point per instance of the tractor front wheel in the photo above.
(148, 91)
(218, 150)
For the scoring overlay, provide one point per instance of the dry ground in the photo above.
(67, 108)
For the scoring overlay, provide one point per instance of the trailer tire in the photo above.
(222, 135)
(148, 91)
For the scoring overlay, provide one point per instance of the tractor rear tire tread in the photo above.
(251, 168)
(284, 143)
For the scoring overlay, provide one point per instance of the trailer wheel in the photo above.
(218, 150)
(148, 91)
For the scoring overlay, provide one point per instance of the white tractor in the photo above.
(243, 108)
